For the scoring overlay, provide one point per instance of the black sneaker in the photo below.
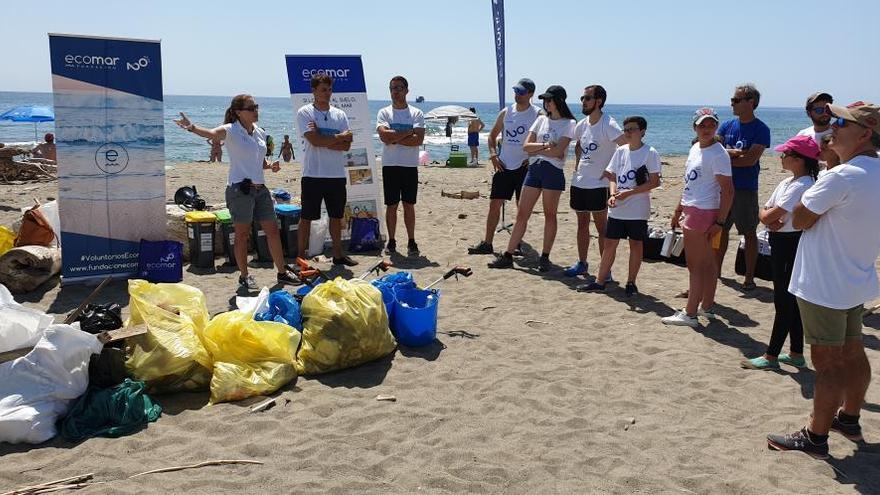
(482, 248)
(799, 440)
(544, 263)
(247, 283)
(412, 249)
(391, 246)
(288, 278)
(518, 250)
(345, 260)
(591, 287)
(504, 260)
(852, 431)
(631, 289)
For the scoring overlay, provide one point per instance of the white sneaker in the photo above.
(247, 283)
(680, 318)
(706, 313)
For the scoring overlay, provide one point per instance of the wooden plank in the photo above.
(73, 316)
(121, 333)
(14, 354)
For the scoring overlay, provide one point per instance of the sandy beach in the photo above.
(531, 387)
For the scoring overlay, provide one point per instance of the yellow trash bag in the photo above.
(344, 325)
(170, 357)
(7, 239)
(250, 357)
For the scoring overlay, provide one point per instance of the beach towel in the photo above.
(109, 412)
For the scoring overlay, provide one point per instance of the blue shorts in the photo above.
(473, 139)
(544, 175)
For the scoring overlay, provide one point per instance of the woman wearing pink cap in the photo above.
(800, 156)
(701, 213)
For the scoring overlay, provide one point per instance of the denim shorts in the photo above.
(544, 175)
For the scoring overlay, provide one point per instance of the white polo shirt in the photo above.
(246, 153)
(319, 161)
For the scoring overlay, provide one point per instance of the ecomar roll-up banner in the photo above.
(498, 32)
(111, 152)
(350, 96)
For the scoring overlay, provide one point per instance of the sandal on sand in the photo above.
(800, 362)
(759, 363)
(683, 295)
(749, 286)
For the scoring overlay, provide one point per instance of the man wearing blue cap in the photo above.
(510, 161)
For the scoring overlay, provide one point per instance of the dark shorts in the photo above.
(247, 208)
(329, 190)
(744, 212)
(507, 183)
(544, 175)
(588, 199)
(473, 139)
(634, 230)
(400, 183)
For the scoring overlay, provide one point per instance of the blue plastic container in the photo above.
(415, 316)
(388, 299)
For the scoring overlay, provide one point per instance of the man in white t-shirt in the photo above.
(817, 111)
(510, 164)
(325, 136)
(597, 137)
(633, 171)
(834, 274)
(401, 128)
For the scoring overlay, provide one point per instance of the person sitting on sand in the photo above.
(46, 150)
(473, 133)
(286, 153)
(701, 213)
(216, 150)
(546, 145)
(633, 171)
(800, 156)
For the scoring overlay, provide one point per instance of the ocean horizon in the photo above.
(669, 126)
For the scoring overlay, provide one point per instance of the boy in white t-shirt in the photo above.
(633, 171)
(401, 128)
(597, 137)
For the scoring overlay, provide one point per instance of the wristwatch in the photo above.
(720, 223)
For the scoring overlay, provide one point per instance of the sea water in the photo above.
(669, 126)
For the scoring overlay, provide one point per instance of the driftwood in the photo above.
(24, 268)
(460, 195)
(27, 171)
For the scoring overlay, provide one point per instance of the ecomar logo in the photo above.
(111, 158)
(91, 61)
(338, 74)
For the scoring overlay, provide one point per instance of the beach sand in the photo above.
(530, 388)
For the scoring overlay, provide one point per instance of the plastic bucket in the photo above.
(388, 299)
(415, 316)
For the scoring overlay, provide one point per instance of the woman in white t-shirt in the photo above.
(546, 145)
(701, 213)
(247, 196)
(800, 156)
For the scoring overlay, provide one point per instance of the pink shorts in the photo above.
(697, 219)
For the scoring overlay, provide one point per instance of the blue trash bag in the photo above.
(364, 235)
(281, 194)
(283, 308)
(387, 285)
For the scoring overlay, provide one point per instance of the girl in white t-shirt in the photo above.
(247, 196)
(546, 145)
(701, 212)
(800, 156)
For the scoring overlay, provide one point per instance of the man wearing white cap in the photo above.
(834, 275)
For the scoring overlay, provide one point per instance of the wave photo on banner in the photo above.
(111, 151)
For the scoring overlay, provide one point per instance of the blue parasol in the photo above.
(29, 113)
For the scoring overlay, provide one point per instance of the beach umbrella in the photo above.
(451, 114)
(29, 113)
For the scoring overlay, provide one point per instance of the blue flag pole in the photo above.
(498, 31)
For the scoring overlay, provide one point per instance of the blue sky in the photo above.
(677, 52)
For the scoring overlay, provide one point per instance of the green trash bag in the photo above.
(344, 325)
(109, 412)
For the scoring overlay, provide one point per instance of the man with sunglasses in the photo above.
(325, 136)
(745, 137)
(833, 276)
(401, 128)
(598, 136)
(510, 163)
(817, 111)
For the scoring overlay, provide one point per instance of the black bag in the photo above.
(97, 318)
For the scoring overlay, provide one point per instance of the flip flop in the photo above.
(749, 286)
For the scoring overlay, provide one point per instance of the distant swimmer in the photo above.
(474, 128)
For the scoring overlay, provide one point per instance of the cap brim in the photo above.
(545, 96)
(520, 88)
(844, 112)
(704, 117)
(781, 148)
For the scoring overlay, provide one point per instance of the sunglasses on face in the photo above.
(253, 108)
(737, 100)
(396, 88)
(842, 122)
(788, 154)
(631, 129)
(519, 92)
(587, 98)
(818, 110)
